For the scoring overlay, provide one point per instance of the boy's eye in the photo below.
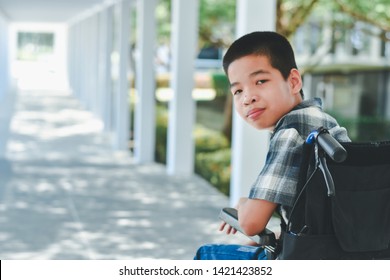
(260, 82)
(237, 91)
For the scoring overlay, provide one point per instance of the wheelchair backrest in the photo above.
(359, 212)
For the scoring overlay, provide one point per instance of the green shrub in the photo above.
(207, 140)
(212, 148)
(215, 168)
(212, 151)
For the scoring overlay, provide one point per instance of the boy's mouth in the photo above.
(255, 113)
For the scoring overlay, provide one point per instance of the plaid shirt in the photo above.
(278, 179)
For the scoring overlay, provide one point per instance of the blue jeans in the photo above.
(230, 252)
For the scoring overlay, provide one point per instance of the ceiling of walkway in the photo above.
(44, 10)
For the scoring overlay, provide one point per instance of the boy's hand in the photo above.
(229, 228)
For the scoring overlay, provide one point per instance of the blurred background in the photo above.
(150, 71)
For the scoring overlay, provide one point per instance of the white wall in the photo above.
(4, 57)
(5, 97)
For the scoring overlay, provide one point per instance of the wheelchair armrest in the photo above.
(264, 238)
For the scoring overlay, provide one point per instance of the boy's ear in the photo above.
(295, 80)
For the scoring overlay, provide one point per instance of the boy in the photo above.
(267, 93)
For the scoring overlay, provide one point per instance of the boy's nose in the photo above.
(249, 99)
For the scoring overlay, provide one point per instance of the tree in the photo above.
(292, 14)
(374, 12)
(220, 14)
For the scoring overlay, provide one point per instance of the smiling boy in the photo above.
(267, 93)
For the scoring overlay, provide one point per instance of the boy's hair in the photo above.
(265, 43)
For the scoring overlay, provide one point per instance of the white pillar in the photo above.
(83, 60)
(87, 64)
(249, 146)
(145, 108)
(105, 81)
(71, 48)
(121, 138)
(93, 64)
(74, 53)
(180, 150)
(61, 54)
(78, 61)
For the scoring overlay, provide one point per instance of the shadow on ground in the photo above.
(65, 194)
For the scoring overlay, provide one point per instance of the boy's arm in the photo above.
(254, 214)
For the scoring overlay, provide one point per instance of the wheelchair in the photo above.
(342, 207)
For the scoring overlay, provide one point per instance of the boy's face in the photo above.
(261, 95)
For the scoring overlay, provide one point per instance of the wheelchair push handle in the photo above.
(333, 148)
(330, 145)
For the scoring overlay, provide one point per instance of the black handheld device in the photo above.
(229, 216)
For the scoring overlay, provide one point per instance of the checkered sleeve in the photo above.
(277, 181)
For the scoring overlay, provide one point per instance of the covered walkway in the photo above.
(65, 194)
(91, 48)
